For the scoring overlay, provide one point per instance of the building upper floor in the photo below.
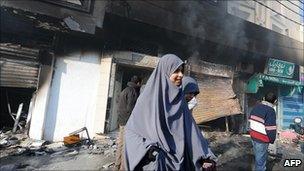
(78, 15)
(282, 16)
(198, 23)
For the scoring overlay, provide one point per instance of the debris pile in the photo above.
(234, 152)
(228, 147)
(33, 154)
(293, 139)
(10, 141)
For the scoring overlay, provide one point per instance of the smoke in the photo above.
(212, 25)
(232, 30)
(192, 11)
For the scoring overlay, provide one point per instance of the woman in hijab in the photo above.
(190, 88)
(161, 133)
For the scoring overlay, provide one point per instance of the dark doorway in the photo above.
(123, 75)
(129, 71)
(12, 98)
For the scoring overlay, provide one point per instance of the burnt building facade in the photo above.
(74, 57)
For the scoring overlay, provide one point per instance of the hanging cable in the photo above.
(290, 9)
(295, 5)
(278, 13)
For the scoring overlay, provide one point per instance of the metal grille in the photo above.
(19, 66)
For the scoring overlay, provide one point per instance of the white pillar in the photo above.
(41, 101)
(102, 94)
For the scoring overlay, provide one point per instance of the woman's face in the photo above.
(177, 76)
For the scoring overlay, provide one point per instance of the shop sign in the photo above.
(280, 68)
(279, 80)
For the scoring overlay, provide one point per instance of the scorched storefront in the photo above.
(282, 78)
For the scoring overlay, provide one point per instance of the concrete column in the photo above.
(103, 93)
(42, 99)
(268, 21)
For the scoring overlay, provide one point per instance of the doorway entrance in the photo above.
(122, 76)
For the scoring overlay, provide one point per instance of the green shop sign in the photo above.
(280, 68)
(258, 80)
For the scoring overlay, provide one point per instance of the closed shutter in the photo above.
(19, 66)
(216, 99)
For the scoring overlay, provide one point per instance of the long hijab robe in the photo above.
(190, 86)
(161, 118)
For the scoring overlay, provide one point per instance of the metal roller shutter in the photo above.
(19, 66)
(216, 99)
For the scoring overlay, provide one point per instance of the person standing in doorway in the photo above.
(263, 129)
(126, 103)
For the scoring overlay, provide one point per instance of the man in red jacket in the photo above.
(263, 129)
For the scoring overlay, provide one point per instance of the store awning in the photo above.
(257, 81)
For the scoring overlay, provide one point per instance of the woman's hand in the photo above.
(152, 152)
(208, 165)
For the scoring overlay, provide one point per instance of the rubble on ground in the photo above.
(234, 152)
(228, 147)
(20, 152)
(287, 136)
